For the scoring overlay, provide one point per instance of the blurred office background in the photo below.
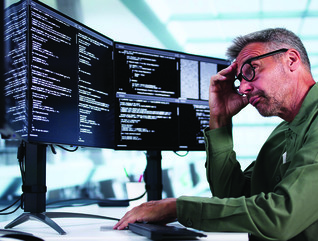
(204, 27)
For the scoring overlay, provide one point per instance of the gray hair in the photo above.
(274, 38)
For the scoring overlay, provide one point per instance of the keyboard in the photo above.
(161, 232)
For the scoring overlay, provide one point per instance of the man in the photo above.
(275, 198)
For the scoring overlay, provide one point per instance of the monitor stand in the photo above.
(153, 175)
(34, 191)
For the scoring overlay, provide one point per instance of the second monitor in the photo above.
(161, 97)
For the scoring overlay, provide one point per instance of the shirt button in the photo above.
(189, 223)
(277, 179)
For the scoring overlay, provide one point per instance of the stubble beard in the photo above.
(267, 106)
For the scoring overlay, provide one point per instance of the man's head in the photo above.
(273, 38)
(274, 71)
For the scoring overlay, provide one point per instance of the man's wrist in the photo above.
(218, 122)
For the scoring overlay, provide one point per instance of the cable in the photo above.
(15, 202)
(21, 156)
(90, 201)
(66, 149)
(180, 154)
(62, 147)
(5, 209)
(11, 211)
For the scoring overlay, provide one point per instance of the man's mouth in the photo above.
(254, 100)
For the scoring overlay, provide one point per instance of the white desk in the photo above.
(96, 229)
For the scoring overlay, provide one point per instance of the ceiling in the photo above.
(204, 27)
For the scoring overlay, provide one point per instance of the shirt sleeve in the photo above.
(223, 171)
(279, 215)
(289, 210)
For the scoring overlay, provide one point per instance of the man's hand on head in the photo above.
(224, 101)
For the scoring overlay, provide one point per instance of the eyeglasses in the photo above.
(247, 71)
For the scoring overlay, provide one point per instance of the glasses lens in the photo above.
(248, 72)
(236, 84)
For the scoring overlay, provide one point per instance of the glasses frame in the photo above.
(249, 61)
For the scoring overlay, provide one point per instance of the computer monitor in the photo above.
(59, 83)
(161, 98)
(58, 87)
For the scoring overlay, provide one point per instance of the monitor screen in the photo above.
(161, 98)
(2, 106)
(6, 129)
(59, 78)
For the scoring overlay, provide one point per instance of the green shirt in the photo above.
(276, 197)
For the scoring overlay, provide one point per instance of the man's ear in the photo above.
(294, 60)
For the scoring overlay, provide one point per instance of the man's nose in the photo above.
(245, 87)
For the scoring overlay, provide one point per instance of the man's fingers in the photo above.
(229, 70)
(123, 222)
(224, 74)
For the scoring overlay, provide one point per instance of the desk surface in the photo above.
(96, 229)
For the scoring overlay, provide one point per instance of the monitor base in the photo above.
(46, 218)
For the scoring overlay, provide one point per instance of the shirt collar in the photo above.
(306, 108)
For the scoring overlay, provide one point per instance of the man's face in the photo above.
(268, 91)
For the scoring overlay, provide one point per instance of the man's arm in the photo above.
(223, 171)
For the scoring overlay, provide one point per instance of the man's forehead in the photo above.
(249, 51)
